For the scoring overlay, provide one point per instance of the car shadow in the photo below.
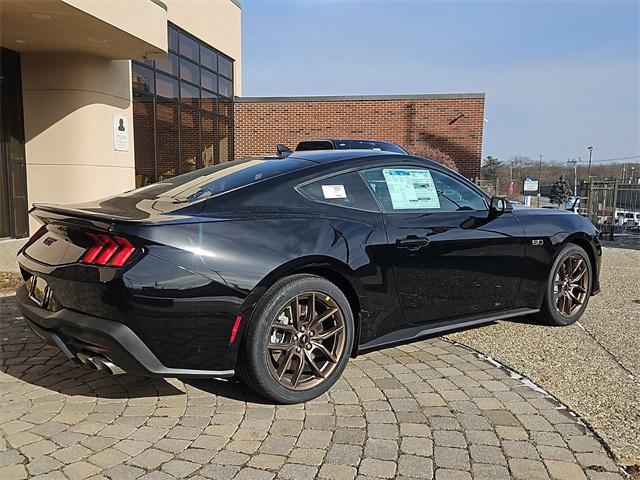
(232, 389)
(27, 358)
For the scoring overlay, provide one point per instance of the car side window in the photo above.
(399, 189)
(345, 190)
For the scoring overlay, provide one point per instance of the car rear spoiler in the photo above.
(60, 215)
(39, 209)
(63, 215)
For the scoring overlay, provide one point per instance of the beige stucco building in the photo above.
(86, 83)
(101, 96)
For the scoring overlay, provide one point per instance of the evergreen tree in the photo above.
(490, 167)
(560, 191)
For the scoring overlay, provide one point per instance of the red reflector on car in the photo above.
(234, 330)
(107, 250)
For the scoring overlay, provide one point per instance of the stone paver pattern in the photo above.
(593, 366)
(427, 410)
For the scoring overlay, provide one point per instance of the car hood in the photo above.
(523, 211)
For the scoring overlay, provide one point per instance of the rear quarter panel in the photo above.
(246, 256)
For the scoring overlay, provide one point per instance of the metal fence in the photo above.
(613, 207)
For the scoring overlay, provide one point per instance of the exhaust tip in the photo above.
(108, 366)
(87, 360)
(100, 363)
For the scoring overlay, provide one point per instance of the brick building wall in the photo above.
(451, 123)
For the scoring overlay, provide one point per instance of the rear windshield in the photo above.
(368, 145)
(218, 179)
(314, 145)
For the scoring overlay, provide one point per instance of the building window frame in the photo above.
(14, 217)
(182, 94)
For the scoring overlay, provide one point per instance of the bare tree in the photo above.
(432, 153)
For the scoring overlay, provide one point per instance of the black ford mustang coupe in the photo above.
(279, 269)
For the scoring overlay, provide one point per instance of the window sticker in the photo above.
(411, 188)
(334, 191)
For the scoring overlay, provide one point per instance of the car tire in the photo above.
(284, 355)
(566, 298)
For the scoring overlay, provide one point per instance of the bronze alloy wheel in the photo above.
(306, 341)
(571, 285)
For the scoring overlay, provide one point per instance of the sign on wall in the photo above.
(120, 133)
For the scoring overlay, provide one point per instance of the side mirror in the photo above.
(498, 206)
(283, 150)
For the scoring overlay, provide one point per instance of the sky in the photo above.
(558, 75)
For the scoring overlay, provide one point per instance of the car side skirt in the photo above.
(414, 333)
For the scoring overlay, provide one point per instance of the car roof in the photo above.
(330, 156)
(343, 139)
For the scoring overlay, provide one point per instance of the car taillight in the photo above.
(109, 250)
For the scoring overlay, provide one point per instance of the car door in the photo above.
(451, 258)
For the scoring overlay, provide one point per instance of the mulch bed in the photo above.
(9, 281)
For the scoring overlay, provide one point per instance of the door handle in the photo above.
(412, 242)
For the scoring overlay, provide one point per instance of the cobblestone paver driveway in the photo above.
(431, 409)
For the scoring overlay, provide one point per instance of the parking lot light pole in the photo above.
(574, 162)
(590, 148)
(539, 182)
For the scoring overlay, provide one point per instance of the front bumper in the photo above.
(75, 333)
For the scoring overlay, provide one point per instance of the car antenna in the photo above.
(283, 150)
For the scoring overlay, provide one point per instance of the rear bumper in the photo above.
(75, 333)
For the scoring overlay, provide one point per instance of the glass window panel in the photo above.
(167, 139)
(225, 67)
(225, 87)
(189, 71)
(208, 128)
(173, 39)
(209, 80)
(141, 78)
(347, 190)
(225, 107)
(224, 140)
(189, 47)
(167, 86)
(143, 141)
(209, 58)
(208, 101)
(420, 189)
(21, 216)
(189, 94)
(168, 64)
(189, 139)
(5, 219)
(18, 179)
